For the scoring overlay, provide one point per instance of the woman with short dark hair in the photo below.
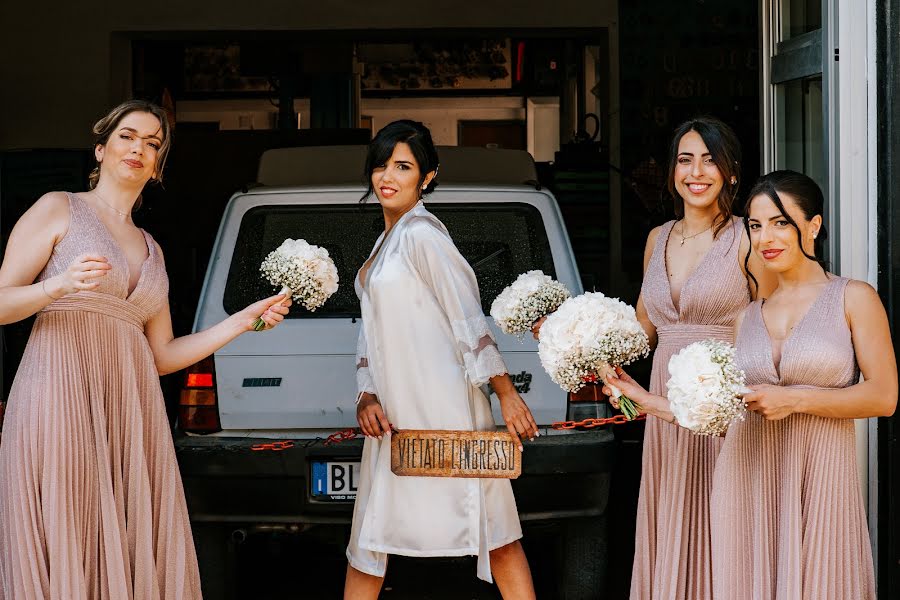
(424, 351)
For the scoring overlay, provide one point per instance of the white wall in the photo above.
(442, 115)
(65, 63)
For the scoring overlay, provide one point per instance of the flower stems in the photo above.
(259, 324)
(629, 407)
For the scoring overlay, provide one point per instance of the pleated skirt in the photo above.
(788, 519)
(672, 559)
(91, 501)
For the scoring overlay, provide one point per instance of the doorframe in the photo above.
(886, 59)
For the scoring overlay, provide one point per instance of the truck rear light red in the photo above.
(198, 408)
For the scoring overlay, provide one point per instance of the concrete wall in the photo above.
(64, 63)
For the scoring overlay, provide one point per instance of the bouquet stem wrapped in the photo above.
(629, 407)
(259, 324)
(305, 272)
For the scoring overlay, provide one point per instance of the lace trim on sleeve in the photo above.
(483, 365)
(472, 332)
(364, 381)
(480, 354)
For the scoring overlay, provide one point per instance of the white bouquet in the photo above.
(586, 338)
(304, 272)
(704, 386)
(531, 296)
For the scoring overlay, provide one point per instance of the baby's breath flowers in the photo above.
(531, 296)
(304, 272)
(586, 338)
(704, 386)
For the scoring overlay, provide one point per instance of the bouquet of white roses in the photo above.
(304, 272)
(531, 296)
(704, 386)
(586, 338)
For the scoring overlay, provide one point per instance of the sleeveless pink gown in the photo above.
(672, 545)
(788, 521)
(91, 501)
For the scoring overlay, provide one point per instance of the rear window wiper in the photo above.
(490, 256)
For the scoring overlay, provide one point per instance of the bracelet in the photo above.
(44, 288)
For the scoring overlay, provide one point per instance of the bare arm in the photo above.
(875, 396)
(641, 310)
(29, 249)
(173, 354)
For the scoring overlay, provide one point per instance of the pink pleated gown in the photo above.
(91, 501)
(788, 521)
(672, 544)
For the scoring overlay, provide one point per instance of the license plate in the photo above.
(334, 481)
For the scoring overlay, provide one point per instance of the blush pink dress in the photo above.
(91, 501)
(788, 521)
(672, 545)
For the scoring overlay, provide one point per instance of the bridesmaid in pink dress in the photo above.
(787, 515)
(91, 502)
(696, 283)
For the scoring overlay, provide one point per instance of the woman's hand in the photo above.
(83, 274)
(370, 416)
(628, 386)
(517, 416)
(657, 406)
(536, 328)
(773, 402)
(272, 311)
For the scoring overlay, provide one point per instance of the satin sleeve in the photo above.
(364, 383)
(452, 281)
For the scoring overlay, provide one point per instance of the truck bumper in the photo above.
(225, 481)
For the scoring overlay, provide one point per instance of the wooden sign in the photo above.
(436, 453)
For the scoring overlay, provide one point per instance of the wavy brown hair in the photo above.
(725, 151)
(108, 124)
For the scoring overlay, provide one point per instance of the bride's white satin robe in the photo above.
(424, 350)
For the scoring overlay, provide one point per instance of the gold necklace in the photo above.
(685, 238)
(116, 210)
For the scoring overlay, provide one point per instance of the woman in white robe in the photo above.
(424, 351)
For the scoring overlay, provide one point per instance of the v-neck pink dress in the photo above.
(788, 521)
(91, 501)
(672, 554)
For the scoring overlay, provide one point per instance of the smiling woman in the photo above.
(693, 290)
(423, 322)
(802, 349)
(91, 502)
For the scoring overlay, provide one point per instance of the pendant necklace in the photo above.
(684, 238)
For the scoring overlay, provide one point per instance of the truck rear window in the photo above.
(500, 241)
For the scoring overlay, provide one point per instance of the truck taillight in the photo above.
(588, 403)
(198, 409)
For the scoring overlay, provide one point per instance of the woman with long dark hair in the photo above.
(91, 502)
(695, 285)
(788, 520)
(424, 351)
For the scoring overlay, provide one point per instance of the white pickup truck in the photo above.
(254, 417)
